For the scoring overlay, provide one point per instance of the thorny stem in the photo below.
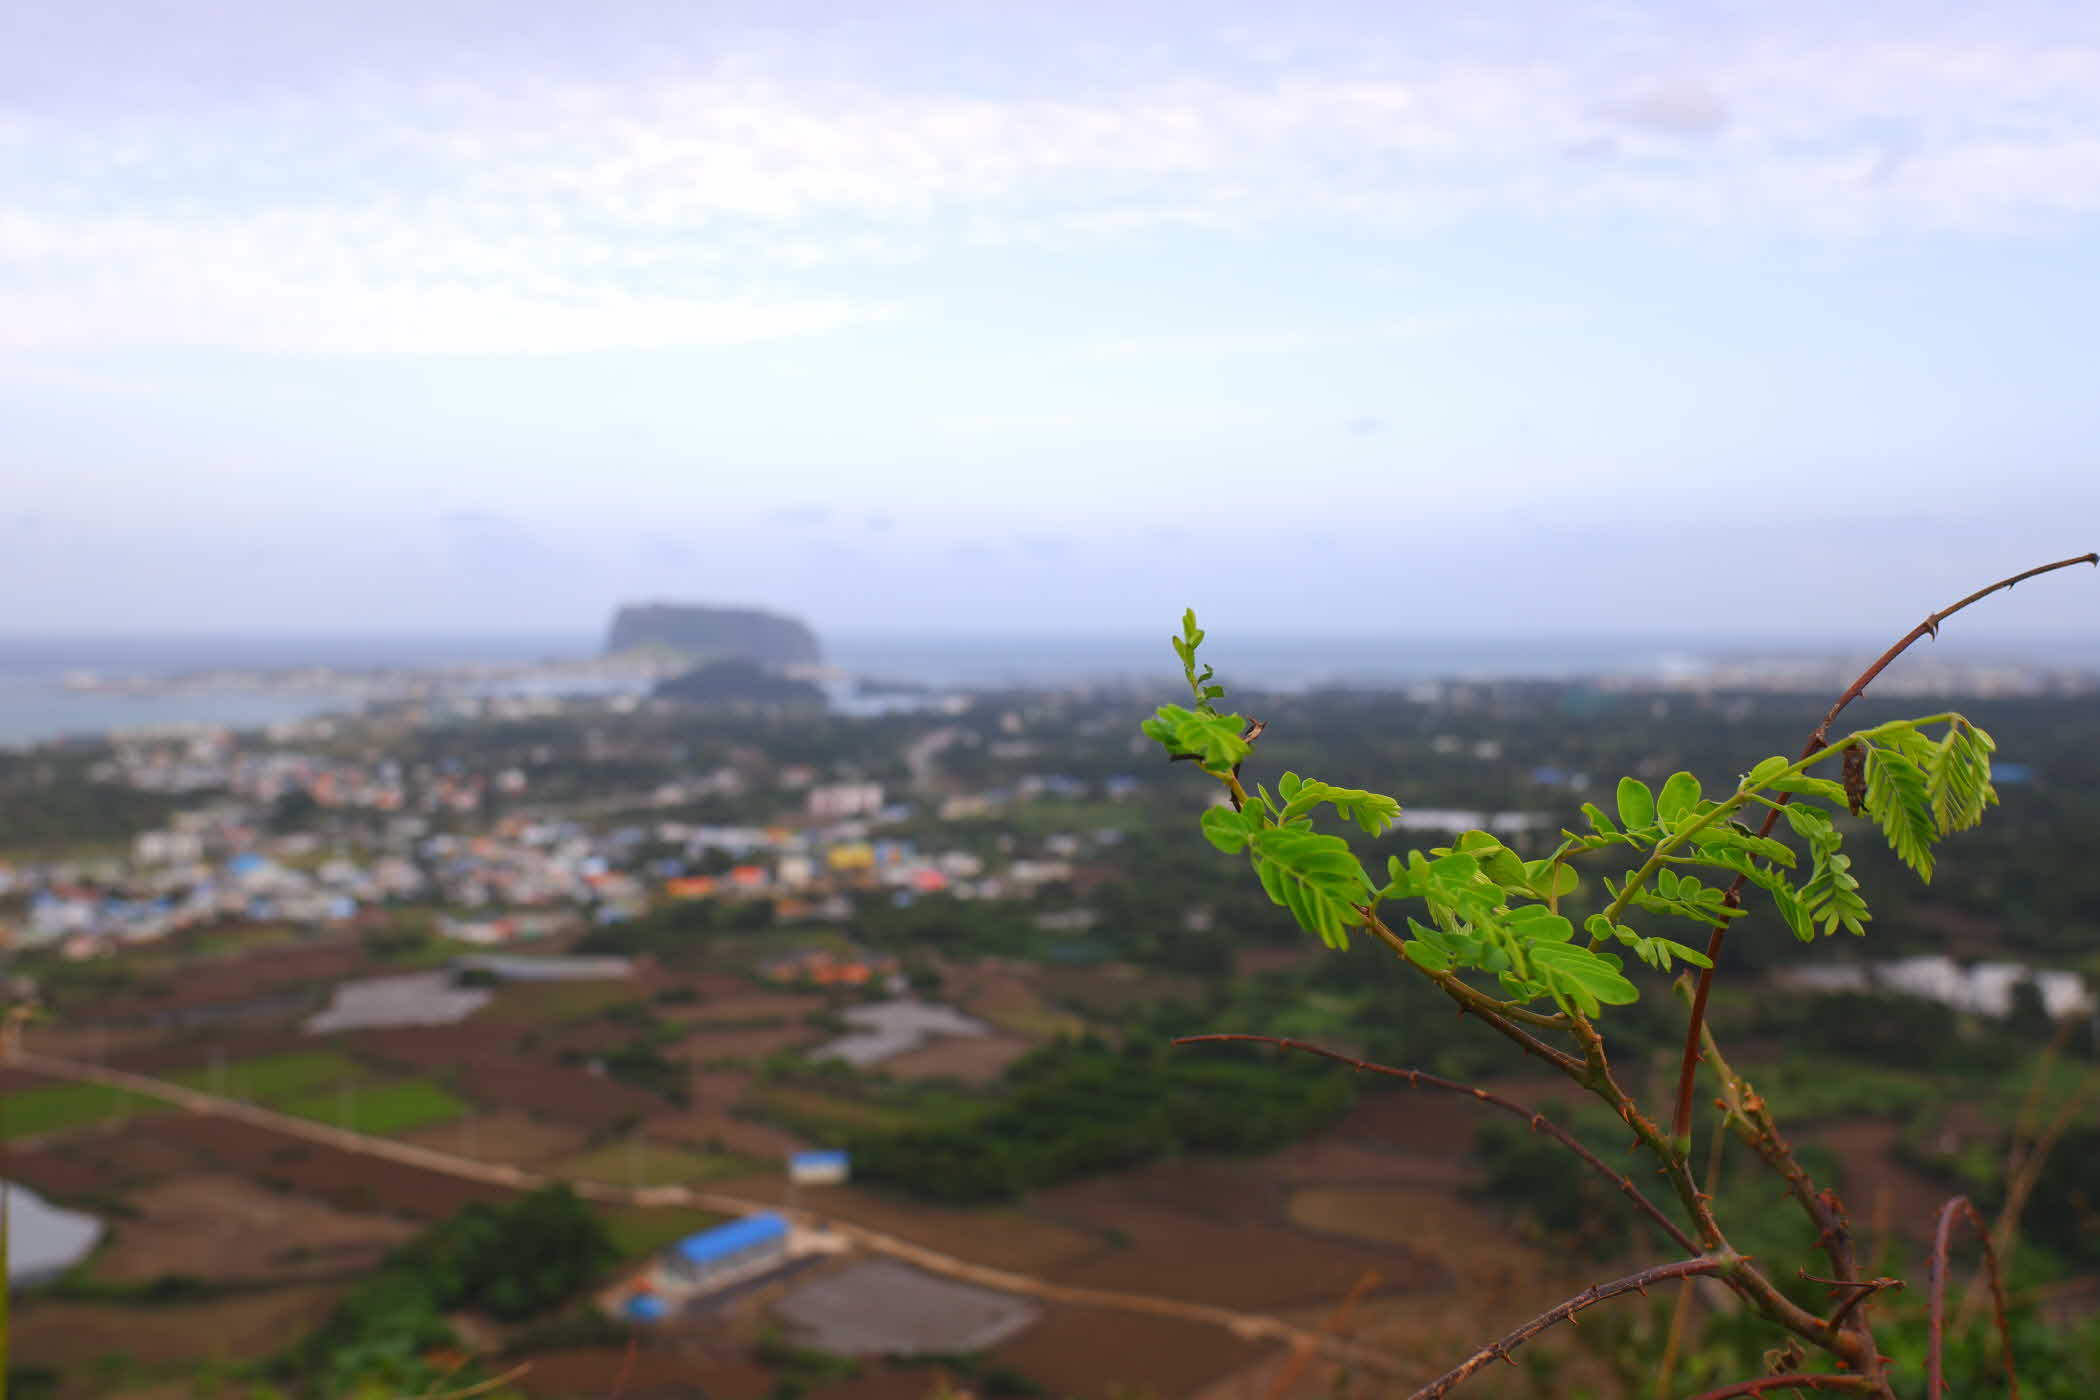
(1935, 1329)
(1743, 1277)
(1863, 1289)
(1681, 1123)
(1745, 1111)
(1538, 1122)
(1500, 1349)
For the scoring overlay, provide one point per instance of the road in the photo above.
(1245, 1325)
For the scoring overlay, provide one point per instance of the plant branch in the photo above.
(1500, 1349)
(1681, 1123)
(1538, 1122)
(1935, 1330)
(1808, 1380)
(1746, 1111)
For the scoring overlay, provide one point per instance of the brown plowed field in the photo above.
(1085, 1351)
(347, 1180)
(227, 1227)
(972, 1059)
(506, 1137)
(75, 1336)
(106, 1161)
(657, 1372)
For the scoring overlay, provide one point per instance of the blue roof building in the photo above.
(739, 1242)
(646, 1307)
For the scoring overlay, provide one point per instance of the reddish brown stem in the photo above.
(1596, 1293)
(1681, 1123)
(1936, 1326)
(1812, 1380)
(1538, 1122)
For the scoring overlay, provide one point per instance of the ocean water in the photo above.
(35, 704)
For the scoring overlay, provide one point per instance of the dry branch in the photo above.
(1936, 1327)
(1500, 1349)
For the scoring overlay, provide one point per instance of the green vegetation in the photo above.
(272, 1080)
(1077, 1108)
(637, 1231)
(395, 1107)
(637, 1162)
(57, 1107)
(513, 1262)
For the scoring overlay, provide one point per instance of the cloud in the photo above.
(1674, 109)
(799, 516)
(561, 211)
(1364, 426)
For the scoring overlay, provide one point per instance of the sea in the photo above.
(37, 705)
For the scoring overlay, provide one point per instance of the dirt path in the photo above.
(1249, 1326)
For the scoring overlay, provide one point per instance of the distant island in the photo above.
(736, 679)
(714, 634)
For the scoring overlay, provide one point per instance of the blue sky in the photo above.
(383, 316)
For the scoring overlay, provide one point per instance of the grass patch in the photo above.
(638, 1231)
(274, 1080)
(639, 1162)
(379, 1109)
(806, 1106)
(57, 1107)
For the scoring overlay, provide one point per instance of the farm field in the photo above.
(272, 1080)
(380, 1109)
(967, 1059)
(92, 1340)
(220, 1227)
(826, 1110)
(1011, 1001)
(1087, 1351)
(637, 1231)
(60, 1107)
(506, 1136)
(639, 1162)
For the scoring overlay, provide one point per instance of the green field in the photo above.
(273, 1080)
(806, 1107)
(638, 1162)
(60, 1106)
(637, 1231)
(388, 1107)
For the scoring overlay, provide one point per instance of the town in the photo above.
(836, 1045)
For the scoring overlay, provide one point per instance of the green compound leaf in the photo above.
(1898, 800)
(1226, 829)
(1315, 876)
(1580, 979)
(1636, 803)
(1823, 789)
(1678, 799)
(1373, 811)
(1959, 777)
(1213, 740)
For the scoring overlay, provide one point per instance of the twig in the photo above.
(1935, 1329)
(1863, 1289)
(1538, 1122)
(1681, 1124)
(1807, 1380)
(1596, 1293)
(1681, 1311)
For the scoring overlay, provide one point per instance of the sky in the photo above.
(968, 318)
